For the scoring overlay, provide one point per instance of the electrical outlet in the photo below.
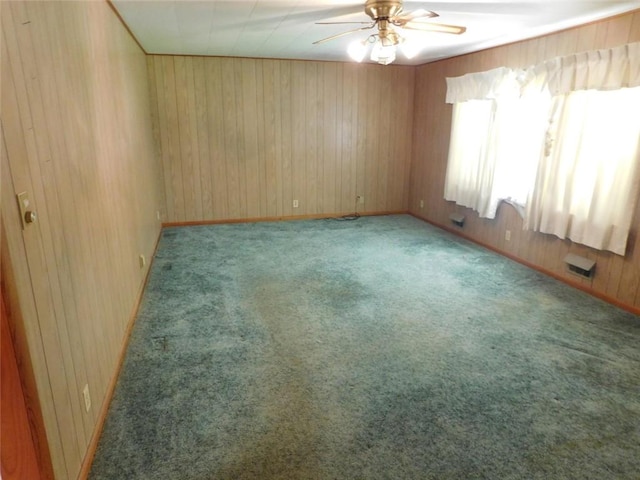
(158, 214)
(360, 199)
(421, 203)
(507, 235)
(142, 261)
(87, 397)
(295, 204)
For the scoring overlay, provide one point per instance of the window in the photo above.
(587, 185)
(560, 140)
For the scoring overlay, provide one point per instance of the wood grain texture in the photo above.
(19, 457)
(20, 304)
(616, 277)
(243, 138)
(77, 137)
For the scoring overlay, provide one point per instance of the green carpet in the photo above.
(381, 348)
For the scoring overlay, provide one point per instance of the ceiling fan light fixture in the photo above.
(410, 48)
(385, 15)
(357, 50)
(390, 37)
(383, 54)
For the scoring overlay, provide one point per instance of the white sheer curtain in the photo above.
(588, 181)
(587, 185)
(562, 138)
(496, 140)
(470, 172)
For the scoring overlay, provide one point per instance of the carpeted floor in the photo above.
(381, 348)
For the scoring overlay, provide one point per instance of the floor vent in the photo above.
(457, 219)
(582, 266)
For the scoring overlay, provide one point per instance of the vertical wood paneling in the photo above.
(384, 143)
(286, 136)
(25, 175)
(241, 140)
(175, 195)
(328, 143)
(347, 140)
(162, 143)
(247, 103)
(363, 145)
(67, 83)
(309, 177)
(275, 119)
(188, 179)
(202, 127)
(277, 131)
(155, 126)
(76, 124)
(213, 133)
(21, 304)
(262, 152)
(617, 277)
(370, 103)
(229, 135)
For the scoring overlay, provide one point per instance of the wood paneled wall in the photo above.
(616, 277)
(77, 137)
(243, 138)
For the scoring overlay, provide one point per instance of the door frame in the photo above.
(20, 406)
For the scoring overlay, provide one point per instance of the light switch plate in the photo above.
(25, 205)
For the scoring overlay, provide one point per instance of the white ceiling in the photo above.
(287, 29)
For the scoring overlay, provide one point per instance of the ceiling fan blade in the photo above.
(343, 33)
(434, 27)
(406, 17)
(343, 23)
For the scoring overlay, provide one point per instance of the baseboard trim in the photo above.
(280, 218)
(104, 409)
(533, 266)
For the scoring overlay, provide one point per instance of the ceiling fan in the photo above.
(387, 14)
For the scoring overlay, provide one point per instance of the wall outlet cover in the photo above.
(87, 397)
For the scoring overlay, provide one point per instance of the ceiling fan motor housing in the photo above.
(386, 15)
(382, 9)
